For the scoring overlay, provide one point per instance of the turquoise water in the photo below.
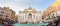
(41, 24)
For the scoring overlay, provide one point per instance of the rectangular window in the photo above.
(1, 15)
(6, 16)
(2, 12)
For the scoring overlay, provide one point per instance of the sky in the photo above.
(19, 5)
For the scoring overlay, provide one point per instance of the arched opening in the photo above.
(30, 16)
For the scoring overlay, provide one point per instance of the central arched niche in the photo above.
(29, 16)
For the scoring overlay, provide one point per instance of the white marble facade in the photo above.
(29, 15)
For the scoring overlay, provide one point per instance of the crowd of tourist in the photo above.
(55, 22)
(6, 22)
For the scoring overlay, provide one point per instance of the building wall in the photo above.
(53, 8)
(7, 13)
(1, 12)
(29, 15)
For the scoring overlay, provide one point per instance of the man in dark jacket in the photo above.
(55, 22)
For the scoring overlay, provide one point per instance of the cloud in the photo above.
(17, 5)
